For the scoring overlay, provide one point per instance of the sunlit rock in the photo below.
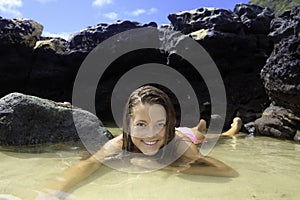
(20, 31)
(58, 45)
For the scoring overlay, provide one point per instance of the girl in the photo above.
(149, 141)
(196, 134)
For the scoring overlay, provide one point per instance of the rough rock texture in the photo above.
(89, 38)
(47, 68)
(255, 19)
(238, 43)
(281, 74)
(27, 120)
(206, 18)
(286, 24)
(57, 45)
(53, 70)
(277, 122)
(281, 79)
(20, 30)
(17, 38)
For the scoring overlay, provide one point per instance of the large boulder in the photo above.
(239, 45)
(47, 66)
(17, 39)
(29, 120)
(281, 79)
(206, 18)
(89, 38)
(53, 69)
(20, 31)
(56, 61)
(276, 122)
(281, 74)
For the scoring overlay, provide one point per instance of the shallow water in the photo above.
(268, 168)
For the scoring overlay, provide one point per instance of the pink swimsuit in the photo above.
(188, 132)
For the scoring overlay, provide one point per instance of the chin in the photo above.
(150, 153)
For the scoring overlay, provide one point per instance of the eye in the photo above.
(161, 125)
(140, 124)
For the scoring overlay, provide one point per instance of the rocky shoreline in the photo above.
(256, 53)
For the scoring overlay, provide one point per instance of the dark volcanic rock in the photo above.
(89, 38)
(206, 18)
(281, 74)
(53, 70)
(17, 39)
(26, 120)
(238, 43)
(251, 19)
(281, 78)
(277, 122)
(286, 24)
(256, 19)
(236, 40)
(19, 31)
(43, 66)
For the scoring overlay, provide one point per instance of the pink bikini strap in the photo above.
(188, 132)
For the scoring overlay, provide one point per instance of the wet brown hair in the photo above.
(151, 95)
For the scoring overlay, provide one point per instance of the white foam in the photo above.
(8, 197)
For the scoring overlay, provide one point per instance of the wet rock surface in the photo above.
(276, 122)
(29, 120)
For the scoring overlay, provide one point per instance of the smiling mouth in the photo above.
(150, 143)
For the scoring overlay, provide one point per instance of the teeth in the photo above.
(150, 142)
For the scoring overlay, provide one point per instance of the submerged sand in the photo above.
(268, 168)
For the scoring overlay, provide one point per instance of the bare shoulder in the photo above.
(110, 148)
(117, 140)
(180, 136)
(114, 144)
(185, 146)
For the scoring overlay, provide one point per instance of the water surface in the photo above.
(268, 168)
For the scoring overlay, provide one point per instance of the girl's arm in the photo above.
(209, 166)
(192, 162)
(72, 176)
(83, 169)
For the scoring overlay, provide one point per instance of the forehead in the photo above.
(149, 112)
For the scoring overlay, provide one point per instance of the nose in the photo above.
(151, 132)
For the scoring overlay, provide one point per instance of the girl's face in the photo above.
(148, 127)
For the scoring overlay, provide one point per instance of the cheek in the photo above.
(163, 134)
(136, 141)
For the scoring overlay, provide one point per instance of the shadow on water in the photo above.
(58, 149)
(204, 179)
